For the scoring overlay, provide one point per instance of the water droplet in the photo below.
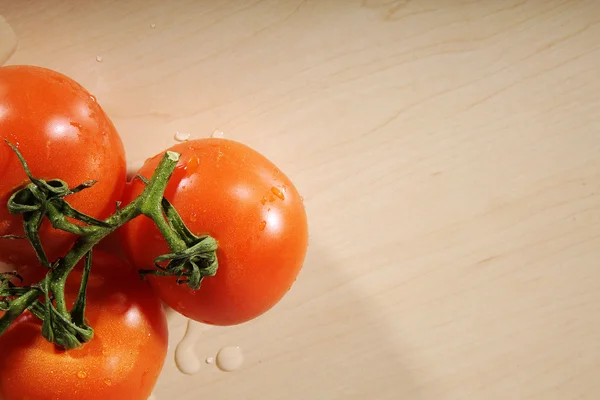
(217, 134)
(262, 225)
(230, 358)
(263, 201)
(82, 375)
(152, 26)
(93, 98)
(76, 125)
(277, 193)
(209, 360)
(182, 136)
(192, 165)
(99, 59)
(108, 382)
(193, 217)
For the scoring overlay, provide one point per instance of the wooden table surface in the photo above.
(449, 156)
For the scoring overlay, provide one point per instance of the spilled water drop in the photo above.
(217, 134)
(185, 357)
(230, 358)
(182, 136)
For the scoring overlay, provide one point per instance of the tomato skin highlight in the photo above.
(229, 191)
(122, 361)
(63, 133)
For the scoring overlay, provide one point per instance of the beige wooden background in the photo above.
(449, 156)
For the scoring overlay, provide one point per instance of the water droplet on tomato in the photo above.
(93, 98)
(76, 125)
(108, 382)
(179, 174)
(192, 165)
(263, 201)
(277, 192)
(262, 225)
(81, 374)
(193, 217)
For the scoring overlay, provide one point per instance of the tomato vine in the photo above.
(191, 259)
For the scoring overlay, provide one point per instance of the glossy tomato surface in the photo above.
(63, 133)
(122, 361)
(233, 193)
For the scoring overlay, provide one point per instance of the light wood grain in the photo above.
(449, 156)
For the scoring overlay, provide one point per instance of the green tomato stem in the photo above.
(18, 307)
(147, 203)
(146, 200)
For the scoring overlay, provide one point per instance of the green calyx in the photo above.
(191, 259)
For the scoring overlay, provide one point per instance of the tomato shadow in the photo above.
(325, 339)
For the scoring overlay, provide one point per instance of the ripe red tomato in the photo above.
(236, 195)
(122, 361)
(63, 133)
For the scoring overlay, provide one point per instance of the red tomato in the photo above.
(122, 361)
(63, 133)
(231, 192)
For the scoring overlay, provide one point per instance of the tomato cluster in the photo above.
(219, 187)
